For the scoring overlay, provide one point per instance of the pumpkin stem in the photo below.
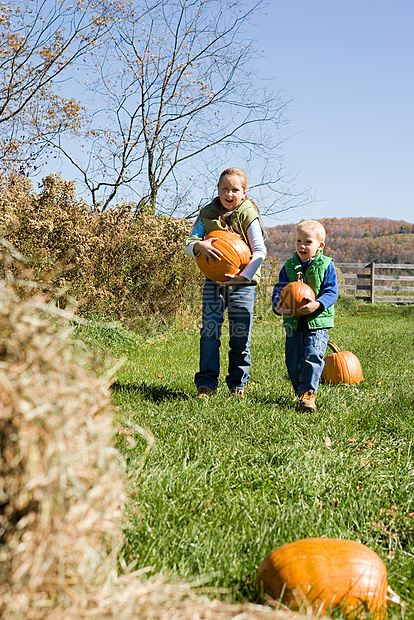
(300, 276)
(334, 347)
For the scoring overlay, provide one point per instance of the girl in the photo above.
(233, 211)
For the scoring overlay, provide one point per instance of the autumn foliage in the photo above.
(351, 240)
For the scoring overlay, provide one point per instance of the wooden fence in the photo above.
(377, 281)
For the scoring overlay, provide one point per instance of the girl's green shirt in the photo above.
(240, 220)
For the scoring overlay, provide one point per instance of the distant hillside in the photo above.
(352, 239)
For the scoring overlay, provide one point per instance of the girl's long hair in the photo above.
(220, 212)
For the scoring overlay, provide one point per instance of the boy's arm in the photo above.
(328, 293)
(280, 284)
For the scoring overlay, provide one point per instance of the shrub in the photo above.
(115, 263)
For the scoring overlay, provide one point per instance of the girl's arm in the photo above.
(196, 245)
(258, 249)
(197, 234)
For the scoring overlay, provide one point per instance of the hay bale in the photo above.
(62, 486)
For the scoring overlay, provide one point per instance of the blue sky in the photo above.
(348, 68)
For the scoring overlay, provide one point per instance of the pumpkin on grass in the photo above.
(236, 255)
(325, 573)
(296, 294)
(341, 367)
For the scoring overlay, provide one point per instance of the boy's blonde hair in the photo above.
(313, 227)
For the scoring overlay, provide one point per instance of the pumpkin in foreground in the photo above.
(341, 367)
(325, 573)
(236, 255)
(295, 295)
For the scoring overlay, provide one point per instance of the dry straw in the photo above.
(62, 486)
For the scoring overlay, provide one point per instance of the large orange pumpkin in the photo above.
(341, 367)
(294, 295)
(325, 573)
(236, 255)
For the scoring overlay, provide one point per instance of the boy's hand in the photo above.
(210, 253)
(310, 306)
(284, 311)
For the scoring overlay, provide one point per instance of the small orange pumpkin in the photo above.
(325, 573)
(236, 255)
(341, 367)
(294, 294)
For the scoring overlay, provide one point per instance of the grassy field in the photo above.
(225, 481)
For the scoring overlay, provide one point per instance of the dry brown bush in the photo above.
(115, 264)
(62, 487)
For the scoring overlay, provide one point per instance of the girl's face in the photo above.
(231, 192)
(307, 245)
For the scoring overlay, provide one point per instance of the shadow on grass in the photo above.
(153, 392)
(281, 400)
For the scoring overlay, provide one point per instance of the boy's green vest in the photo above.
(240, 220)
(313, 276)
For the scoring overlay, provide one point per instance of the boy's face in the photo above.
(307, 245)
(231, 192)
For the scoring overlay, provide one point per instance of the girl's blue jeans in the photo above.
(304, 352)
(239, 301)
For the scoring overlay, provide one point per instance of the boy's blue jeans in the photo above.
(304, 352)
(239, 301)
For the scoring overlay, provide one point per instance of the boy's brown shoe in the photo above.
(307, 401)
(204, 391)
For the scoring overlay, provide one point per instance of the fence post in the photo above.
(372, 281)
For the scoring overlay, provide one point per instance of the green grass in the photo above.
(228, 480)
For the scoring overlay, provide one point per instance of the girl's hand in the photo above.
(234, 280)
(310, 306)
(210, 253)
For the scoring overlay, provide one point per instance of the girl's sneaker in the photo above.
(236, 392)
(205, 391)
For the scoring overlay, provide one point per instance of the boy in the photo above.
(307, 334)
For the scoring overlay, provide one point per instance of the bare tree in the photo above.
(175, 94)
(40, 41)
